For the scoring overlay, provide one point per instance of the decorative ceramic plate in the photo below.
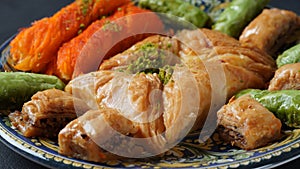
(190, 153)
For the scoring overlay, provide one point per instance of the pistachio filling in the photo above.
(152, 60)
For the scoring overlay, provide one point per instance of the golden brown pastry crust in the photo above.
(140, 95)
(93, 134)
(243, 67)
(286, 77)
(270, 30)
(76, 142)
(245, 123)
(186, 99)
(217, 38)
(85, 86)
(47, 113)
(129, 55)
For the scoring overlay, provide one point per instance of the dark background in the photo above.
(15, 14)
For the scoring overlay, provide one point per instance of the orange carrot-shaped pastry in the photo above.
(115, 34)
(34, 47)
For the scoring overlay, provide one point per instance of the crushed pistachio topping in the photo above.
(85, 6)
(82, 25)
(152, 60)
(111, 26)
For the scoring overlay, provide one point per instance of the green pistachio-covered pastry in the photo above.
(237, 15)
(285, 104)
(179, 8)
(17, 87)
(292, 55)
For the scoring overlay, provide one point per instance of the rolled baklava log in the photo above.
(243, 68)
(47, 113)
(270, 30)
(247, 124)
(134, 97)
(79, 138)
(286, 77)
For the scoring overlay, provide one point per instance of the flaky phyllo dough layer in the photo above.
(144, 111)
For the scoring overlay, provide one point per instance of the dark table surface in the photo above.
(15, 14)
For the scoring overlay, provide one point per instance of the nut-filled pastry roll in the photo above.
(247, 124)
(270, 30)
(286, 77)
(47, 113)
(79, 138)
